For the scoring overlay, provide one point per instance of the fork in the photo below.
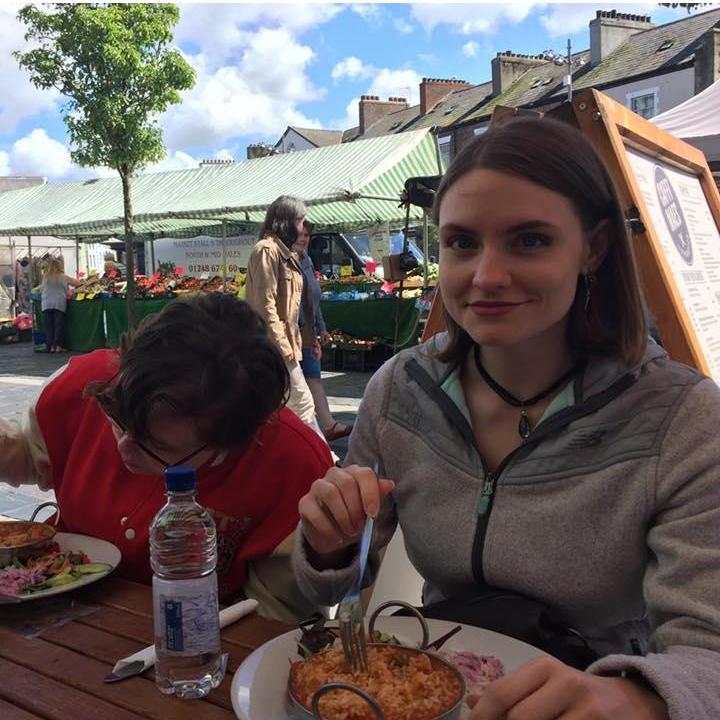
(350, 614)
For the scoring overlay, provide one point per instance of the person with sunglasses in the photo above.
(201, 384)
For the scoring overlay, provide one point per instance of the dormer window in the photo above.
(666, 45)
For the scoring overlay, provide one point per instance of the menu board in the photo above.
(690, 240)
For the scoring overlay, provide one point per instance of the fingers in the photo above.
(334, 510)
(504, 695)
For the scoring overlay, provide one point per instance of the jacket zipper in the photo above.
(487, 495)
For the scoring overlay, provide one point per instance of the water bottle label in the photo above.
(187, 616)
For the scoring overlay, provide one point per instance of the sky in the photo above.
(263, 67)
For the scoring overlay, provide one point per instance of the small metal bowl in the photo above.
(8, 553)
(300, 712)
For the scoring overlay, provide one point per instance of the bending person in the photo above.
(543, 445)
(274, 285)
(199, 384)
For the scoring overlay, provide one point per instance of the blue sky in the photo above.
(263, 67)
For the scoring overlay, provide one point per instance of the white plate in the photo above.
(259, 687)
(97, 550)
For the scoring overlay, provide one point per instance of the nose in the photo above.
(492, 269)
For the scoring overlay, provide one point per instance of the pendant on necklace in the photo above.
(524, 425)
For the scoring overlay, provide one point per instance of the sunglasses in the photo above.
(165, 465)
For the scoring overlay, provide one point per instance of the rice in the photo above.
(407, 684)
(14, 579)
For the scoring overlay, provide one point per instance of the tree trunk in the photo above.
(129, 250)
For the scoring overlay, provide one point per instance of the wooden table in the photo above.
(59, 676)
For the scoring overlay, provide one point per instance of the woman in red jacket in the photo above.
(199, 384)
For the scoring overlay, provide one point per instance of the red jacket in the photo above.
(252, 494)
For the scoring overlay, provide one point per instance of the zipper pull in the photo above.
(486, 495)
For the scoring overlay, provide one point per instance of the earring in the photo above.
(590, 281)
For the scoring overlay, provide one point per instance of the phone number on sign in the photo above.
(213, 268)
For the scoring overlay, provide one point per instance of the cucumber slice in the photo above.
(89, 568)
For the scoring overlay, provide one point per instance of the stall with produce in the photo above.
(351, 185)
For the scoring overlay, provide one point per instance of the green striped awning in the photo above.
(351, 184)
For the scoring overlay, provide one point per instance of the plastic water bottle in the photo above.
(183, 555)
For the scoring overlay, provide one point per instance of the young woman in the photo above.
(314, 335)
(274, 289)
(54, 288)
(543, 445)
(200, 384)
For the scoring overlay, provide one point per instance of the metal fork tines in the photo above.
(350, 614)
(352, 633)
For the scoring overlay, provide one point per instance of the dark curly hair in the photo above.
(210, 359)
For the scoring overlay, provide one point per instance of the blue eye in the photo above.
(461, 242)
(532, 240)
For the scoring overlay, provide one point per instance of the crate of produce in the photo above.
(329, 359)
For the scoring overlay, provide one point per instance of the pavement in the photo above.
(23, 372)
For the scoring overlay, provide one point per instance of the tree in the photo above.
(114, 64)
(688, 6)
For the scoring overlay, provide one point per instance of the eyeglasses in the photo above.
(165, 465)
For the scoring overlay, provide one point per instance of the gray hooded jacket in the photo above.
(609, 513)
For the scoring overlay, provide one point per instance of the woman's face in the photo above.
(174, 439)
(301, 244)
(511, 252)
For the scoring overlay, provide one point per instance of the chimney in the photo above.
(258, 150)
(707, 60)
(433, 90)
(372, 108)
(610, 29)
(508, 66)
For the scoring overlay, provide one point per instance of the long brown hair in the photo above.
(557, 156)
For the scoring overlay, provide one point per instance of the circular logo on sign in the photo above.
(673, 214)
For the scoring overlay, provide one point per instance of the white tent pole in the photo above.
(426, 248)
(77, 256)
(224, 251)
(32, 282)
(152, 253)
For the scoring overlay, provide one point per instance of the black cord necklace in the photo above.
(524, 428)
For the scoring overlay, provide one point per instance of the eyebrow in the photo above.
(527, 225)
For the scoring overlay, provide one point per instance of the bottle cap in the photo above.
(180, 478)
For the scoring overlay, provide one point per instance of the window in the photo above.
(644, 102)
(445, 147)
(666, 45)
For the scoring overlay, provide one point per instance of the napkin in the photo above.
(227, 617)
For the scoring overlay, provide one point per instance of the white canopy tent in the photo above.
(697, 121)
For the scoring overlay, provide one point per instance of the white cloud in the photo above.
(351, 119)
(20, 99)
(397, 83)
(259, 96)
(224, 154)
(403, 26)
(4, 163)
(468, 19)
(222, 31)
(366, 10)
(470, 49)
(177, 160)
(38, 154)
(563, 19)
(352, 67)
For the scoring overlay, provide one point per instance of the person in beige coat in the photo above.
(274, 290)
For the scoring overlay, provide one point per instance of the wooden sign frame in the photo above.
(622, 138)
(614, 130)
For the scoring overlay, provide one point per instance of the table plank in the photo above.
(53, 700)
(107, 648)
(13, 712)
(138, 695)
